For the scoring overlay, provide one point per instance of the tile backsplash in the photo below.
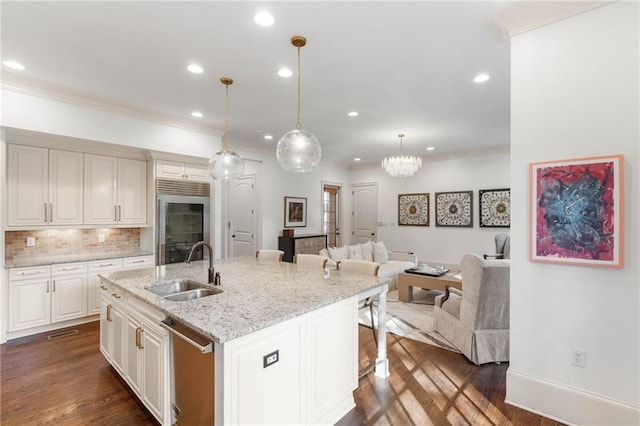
(58, 242)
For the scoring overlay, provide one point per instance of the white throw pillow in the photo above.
(324, 252)
(338, 253)
(355, 252)
(380, 253)
(367, 250)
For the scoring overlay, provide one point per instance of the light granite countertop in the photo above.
(255, 294)
(28, 260)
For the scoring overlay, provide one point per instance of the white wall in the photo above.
(432, 243)
(575, 93)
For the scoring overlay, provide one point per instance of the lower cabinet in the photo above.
(138, 349)
(301, 371)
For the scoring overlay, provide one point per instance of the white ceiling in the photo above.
(404, 66)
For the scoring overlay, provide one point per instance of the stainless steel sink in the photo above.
(193, 294)
(179, 290)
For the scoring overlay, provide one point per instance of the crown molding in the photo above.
(527, 16)
(39, 88)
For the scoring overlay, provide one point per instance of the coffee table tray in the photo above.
(431, 272)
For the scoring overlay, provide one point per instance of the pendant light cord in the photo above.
(401, 136)
(298, 125)
(226, 118)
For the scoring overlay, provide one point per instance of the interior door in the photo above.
(364, 212)
(241, 216)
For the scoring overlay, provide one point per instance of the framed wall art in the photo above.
(413, 209)
(454, 209)
(576, 211)
(495, 208)
(295, 212)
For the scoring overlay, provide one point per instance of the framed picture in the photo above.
(413, 209)
(576, 209)
(495, 208)
(295, 212)
(454, 209)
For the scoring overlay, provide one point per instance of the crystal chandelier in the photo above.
(402, 165)
(298, 150)
(226, 165)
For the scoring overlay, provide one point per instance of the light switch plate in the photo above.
(101, 238)
(31, 241)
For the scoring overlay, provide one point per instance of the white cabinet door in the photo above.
(259, 394)
(94, 291)
(27, 176)
(68, 297)
(196, 172)
(181, 171)
(119, 341)
(29, 303)
(133, 349)
(132, 192)
(100, 198)
(155, 357)
(169, 169)
(106, 327)
(65, 187)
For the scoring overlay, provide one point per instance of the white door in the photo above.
(68, 297)
(364, 212)
(133, 355)
(153, 389)
(132, 191)
(27, 191)
(66, 187)
(29, 304)
(100, 201)
(241, 216)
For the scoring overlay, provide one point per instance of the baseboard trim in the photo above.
(566, 404)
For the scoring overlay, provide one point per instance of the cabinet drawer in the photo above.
(29, 273)
(137, 262)
(69, 269)
(105, 265)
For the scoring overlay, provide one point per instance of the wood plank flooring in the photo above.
(66, 381)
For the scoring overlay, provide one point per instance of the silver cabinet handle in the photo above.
(54, 285)
(70, 269)
(29, 273)
(50, 212)
(139, 331)
(119, 213)
(46, 213)
(115, 213)
(47, 286)
(137, 261)
(109, 313)
(104, 287)
(116, 295)
(104, 265)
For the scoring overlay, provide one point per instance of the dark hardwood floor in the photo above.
(66, 381)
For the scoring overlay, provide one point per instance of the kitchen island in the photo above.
(264, 308)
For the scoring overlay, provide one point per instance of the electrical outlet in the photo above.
(101, 238)
(31, 241)
(579, 358)
(270, 359)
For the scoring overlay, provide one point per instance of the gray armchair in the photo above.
(476, 319)
(503, 247)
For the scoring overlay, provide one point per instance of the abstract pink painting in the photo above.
(576, 211)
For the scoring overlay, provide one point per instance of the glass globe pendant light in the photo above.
(226, 165)
(298, 150)
(402, 165)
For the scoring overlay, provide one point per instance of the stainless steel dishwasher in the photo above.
(192, 368)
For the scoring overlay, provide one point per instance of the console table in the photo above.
(406, 282)
(306, 244)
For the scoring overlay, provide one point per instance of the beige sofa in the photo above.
(391, 263)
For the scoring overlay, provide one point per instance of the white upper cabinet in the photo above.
(115, 191)
(44, 186)
(183, 171)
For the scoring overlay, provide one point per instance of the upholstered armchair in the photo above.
(476, 319)
(503, 247)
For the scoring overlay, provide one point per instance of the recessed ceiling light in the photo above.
(285, 72)
(264, 19)
(195, 68)
(356, 159)
(268, 137)
(353, 114)
(481, 78)
(430, 148)
(197, 114)
(13, 64)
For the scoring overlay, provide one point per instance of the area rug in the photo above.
(413, 320)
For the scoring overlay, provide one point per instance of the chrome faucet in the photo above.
(196, 245)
